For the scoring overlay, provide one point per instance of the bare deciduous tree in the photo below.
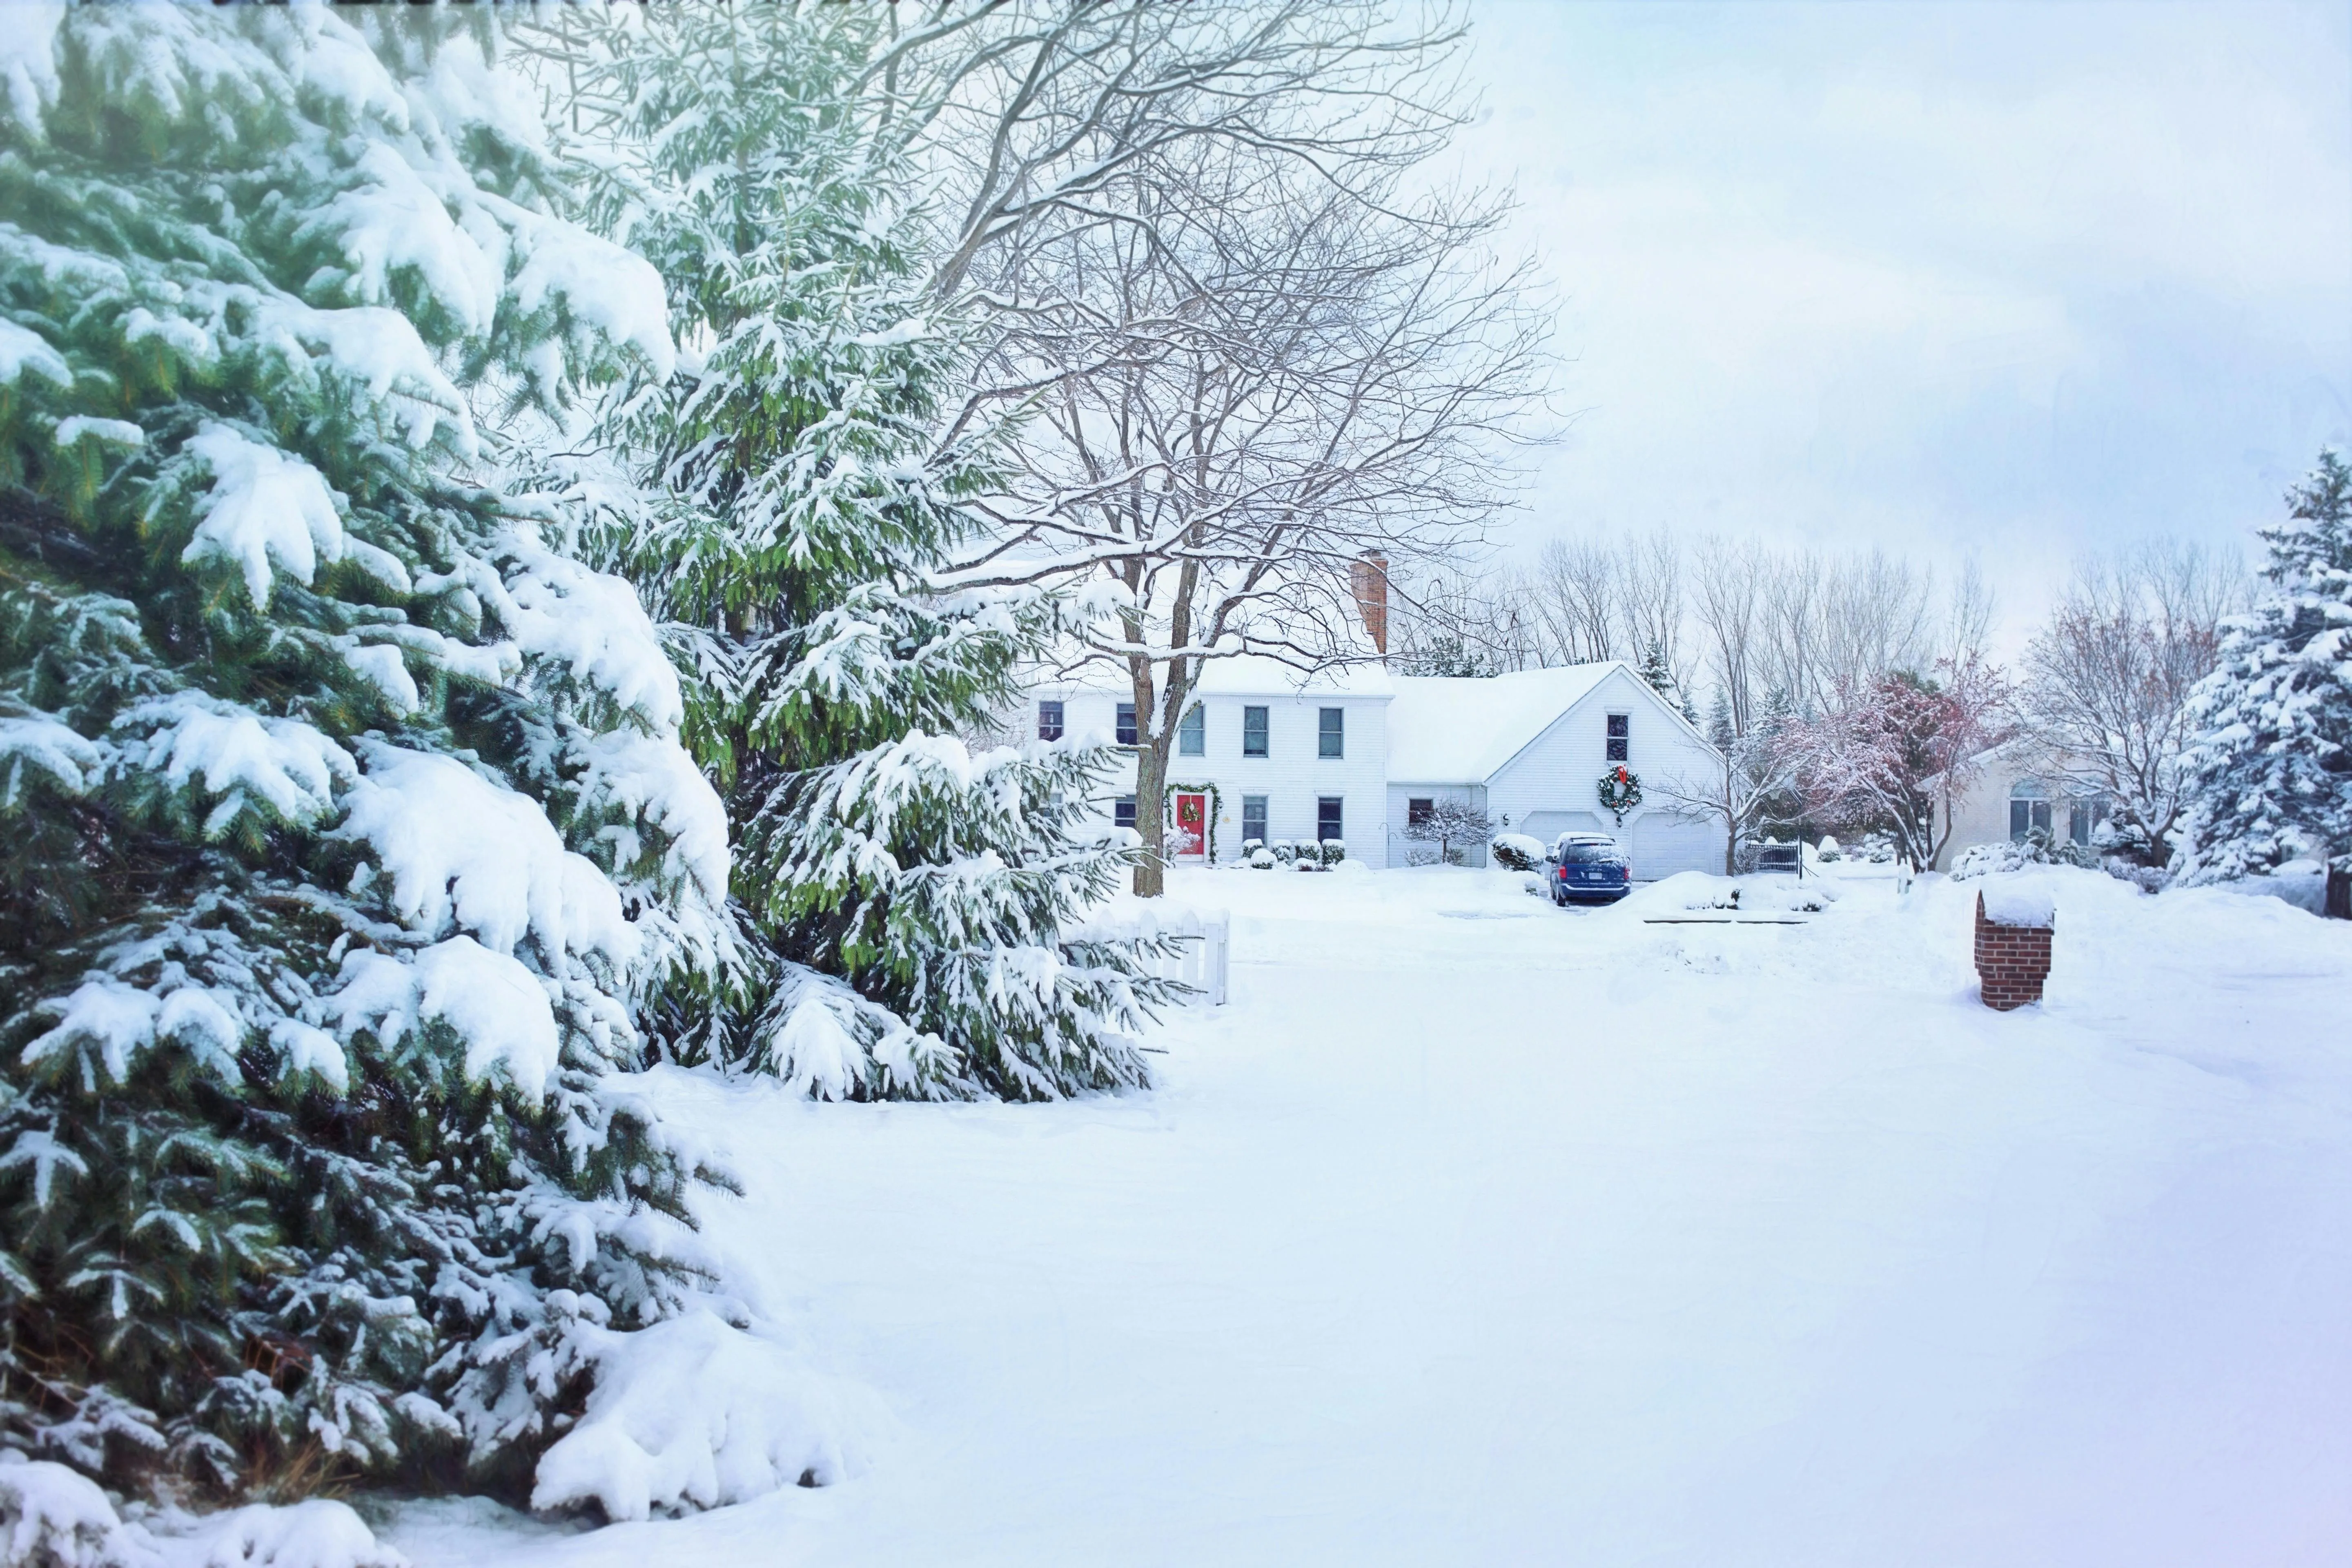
(2107, 681)
(1243, 394)
(1751, 773)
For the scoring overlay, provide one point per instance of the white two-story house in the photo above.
(1359, 755)
(1263, 752)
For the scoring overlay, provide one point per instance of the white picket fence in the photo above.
(1201, 952)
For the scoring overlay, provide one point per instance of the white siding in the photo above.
(1400, 797)
(1555, 777)
(1291, 776)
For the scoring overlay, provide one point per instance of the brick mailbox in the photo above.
(2013, 945)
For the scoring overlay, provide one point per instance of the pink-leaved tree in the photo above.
(1901, 747)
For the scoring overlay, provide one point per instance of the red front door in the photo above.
(1191, 826)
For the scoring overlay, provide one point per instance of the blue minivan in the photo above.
(1589, 866)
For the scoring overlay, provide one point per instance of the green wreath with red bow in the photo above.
(1620, 792)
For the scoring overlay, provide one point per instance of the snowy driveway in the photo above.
(1479, 1232)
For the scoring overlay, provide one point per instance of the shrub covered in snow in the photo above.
(2036, 848)
(1516, 851)
(345, 822)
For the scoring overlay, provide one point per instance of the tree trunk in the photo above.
(2338, 906)
(1151, 817)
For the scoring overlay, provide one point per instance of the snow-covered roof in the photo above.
(1241, 674)
(1460, 729)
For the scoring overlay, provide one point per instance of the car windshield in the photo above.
(1589, 855)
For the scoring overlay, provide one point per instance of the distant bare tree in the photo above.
(1577, 600)
(2107, 681)
(1728, 602)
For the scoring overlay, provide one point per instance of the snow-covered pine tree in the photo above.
(1660, 674)
(2272, 768)
(789, 495)
(342, 815)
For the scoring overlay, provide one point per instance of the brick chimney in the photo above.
(1368, 574)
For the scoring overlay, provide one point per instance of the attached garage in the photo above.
(1549, 825)
(1662, 844)
(1536, 745)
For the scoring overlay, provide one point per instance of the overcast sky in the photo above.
(2019, 280)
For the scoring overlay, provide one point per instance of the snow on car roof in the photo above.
(1460, 729)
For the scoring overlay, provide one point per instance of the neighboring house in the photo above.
(1530, 750)
(1354, 753)
(2022, 788)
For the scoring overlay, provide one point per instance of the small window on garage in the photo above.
(1049, 721)
(1417, 810)
(1621, 736)
(1126, 724)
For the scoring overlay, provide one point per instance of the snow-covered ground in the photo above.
(1475, 1231)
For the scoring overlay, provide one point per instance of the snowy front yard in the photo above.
(1476, 1231)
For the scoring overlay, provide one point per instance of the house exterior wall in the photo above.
(1980, 814)
(1549, 787)
(1401, 849)
(1292, 776)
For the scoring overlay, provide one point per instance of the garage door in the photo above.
(1549, 825)
(1661, 845)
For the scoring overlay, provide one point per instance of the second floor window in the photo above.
(1126, 724)
(1332, 733)
(1620, 736)
(1049, 721)
(1192, 734)
(1253, 732)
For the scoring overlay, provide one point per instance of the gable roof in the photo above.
(1463, 729)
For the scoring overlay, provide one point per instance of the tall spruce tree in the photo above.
(788, 495)
(344, 819)
(2273, 770)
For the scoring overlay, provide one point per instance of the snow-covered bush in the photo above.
(1334, 851)
(1262, 859)
(785, 505)
(2036, 848)
(1827, 850)
(1284, 852)
(346, 820)
(1516, 851)
(1453, 827)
